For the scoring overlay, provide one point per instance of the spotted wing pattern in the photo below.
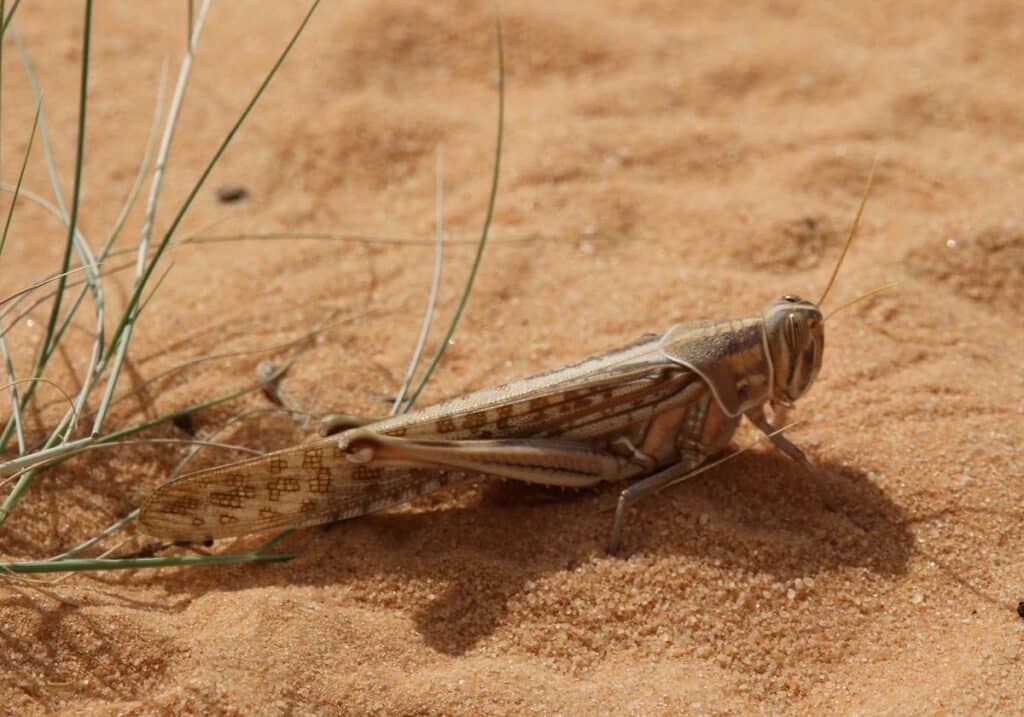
(296, 487)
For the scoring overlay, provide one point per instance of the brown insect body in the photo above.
(655, 411)
(671, 400)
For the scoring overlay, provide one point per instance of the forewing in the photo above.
(302, 486)
(583, 401)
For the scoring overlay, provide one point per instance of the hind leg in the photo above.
(337, 422)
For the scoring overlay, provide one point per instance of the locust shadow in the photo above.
(761, 512)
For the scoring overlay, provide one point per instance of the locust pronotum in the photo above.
(654, 412)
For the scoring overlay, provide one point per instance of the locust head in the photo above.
(795, 333)
(794, 328)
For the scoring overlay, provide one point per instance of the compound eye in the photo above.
(796, 332)
(789, 330)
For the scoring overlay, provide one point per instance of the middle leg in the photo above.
(687, 466)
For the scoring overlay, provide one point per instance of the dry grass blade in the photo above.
(492, 199)
(435, 285)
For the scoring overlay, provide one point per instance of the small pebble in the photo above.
(1020, 608)
(230, 193)
(184, 423)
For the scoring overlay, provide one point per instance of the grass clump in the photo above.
(79, 281)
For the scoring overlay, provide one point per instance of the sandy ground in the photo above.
(663, 164)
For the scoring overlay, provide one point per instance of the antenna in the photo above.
(853, 230)
(850, 303)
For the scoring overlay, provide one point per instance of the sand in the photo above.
(661, 164)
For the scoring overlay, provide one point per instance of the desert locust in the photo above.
(654, 412)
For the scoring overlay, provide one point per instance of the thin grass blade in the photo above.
(483, 234)
(21, 176)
